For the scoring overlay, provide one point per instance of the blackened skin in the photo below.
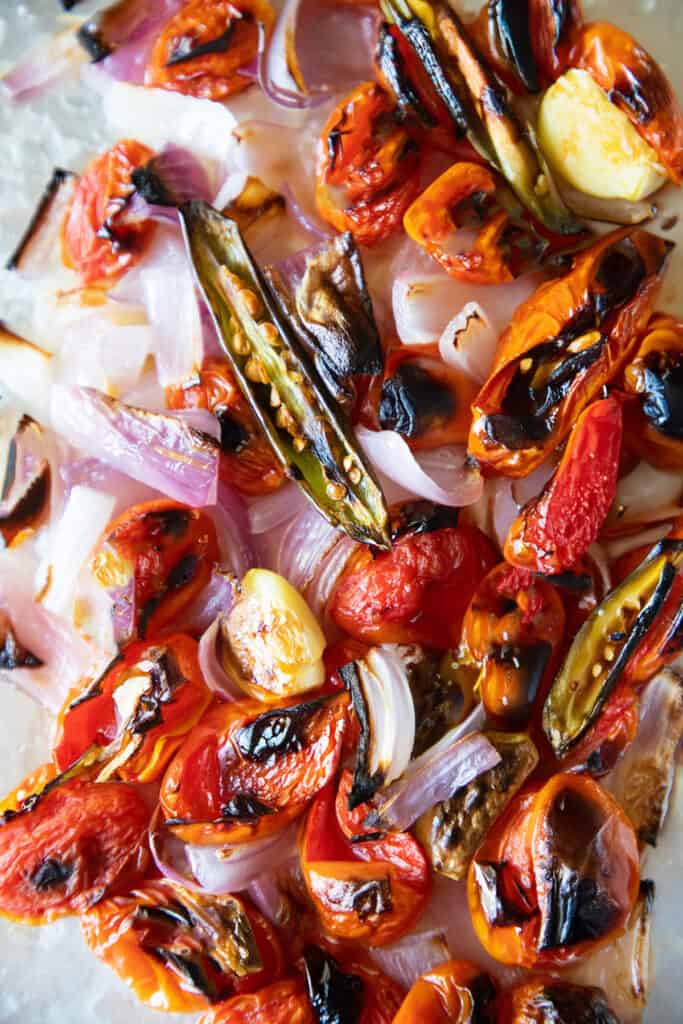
(234, 437)
(12, 653)
(188, 968)
(412, 400)
(336, 997)
(415, 517)
(50, 873)
(245, 808)
(365, 784)
(663, 395)
(562, 1003)
(394, 72)
(512, 23)
(185, 50)
(277, 732)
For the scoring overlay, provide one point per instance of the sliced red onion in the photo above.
(469, 342)
(647, 495)
(26, 372)
(310, 224)
(266, 891)
(235, 541)
(599, 557)
(157, 449)
(459, 756)
(215, 598)
(270, 511)
(383, 677)
(406, 960)
(213, 671)
(222, 869)
(442, 475)
(134, 37)
(623, 545)
(46, 64)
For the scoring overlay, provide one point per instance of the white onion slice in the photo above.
(406, 960)
(648, 495)
(441, 475)
(46, 64)
(384, 681)
(622, 545)
(469, 342)
(223, 869)
(215, 676)
(270, 511)
(26, 373)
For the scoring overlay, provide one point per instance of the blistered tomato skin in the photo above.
(556, 877)
(154, 559)
(247, 771)
(541, 1000)
(366, 180)
(94, 244)
(416, 593)
(284, 1002)
(247, 461)
(76, 842)
(456, 992)
(370, 892)
(556, 529)
(169, 697)
(181, 952)
(201, 50)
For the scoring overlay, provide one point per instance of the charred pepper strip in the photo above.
(605, 644)
(286, 395)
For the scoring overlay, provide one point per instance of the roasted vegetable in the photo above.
(541, 1001)
(452, 831)
(182, 951)
(322, 295)
(138, 713)
(346, 990)
(555, 530)
(556, 876)
(260, 769)
(26, 487)
(563, 344)
(202, 50)
(510, 23)
(274, 375)
(376, 172)
(483, 107)
(636, 84)
(283, 1002)
(39, 236)
(655, 378)
(610, 640)
(13, 654)
(511, 631)
(457, 992)
(110, 27)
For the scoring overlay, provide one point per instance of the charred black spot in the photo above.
(663, 393)
(564, 1003)
(183, 572)
(276, 733)
(415, 517)
(174, 915)
(188, 968)
(186, 48)
(10, 470)
(418, 37)
(493, 101)
(173, 522)
(93, 42)
(483, 993)
(364, 785)
(334, 145)
(234, 438)
(631, 94)
(574, 583)
(530, 662)
(12, 653)
(150, 185)
(50, 873)
(95, 688)
(511, 18)
(620, 274)
(245, 807)
(49, 196)
(372, 897)
(516, 432)
(29, 507)
(335, 996)
(394, 72)
(166, 678)
(413, 400)
(575, 910)
(498, 910)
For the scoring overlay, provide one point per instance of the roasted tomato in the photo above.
(457, 992)
(655, 379)
(421, 398)
(556, 529)
(62, 848)
(181, 951)
(370, 892)
(630, 636)
(563, 344)
(368, 169)
(154, 560)
(637, 85)
(541, 1001)
(203, 48)
(557, 875)
(417, 592)
(138, 712)
(284, 1002)
(247, 460)
(96, 240)
(512, 631)
(245, 773)
(342, 987)
(614, 730)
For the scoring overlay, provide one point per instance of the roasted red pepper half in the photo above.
(421, 398)
(564, 343)
(97, 241)
(154, 560)
(202, 50)
(139, 712)
(343, 987)
(636, 630)
(512, 631)
(551, 999)
(372, 891)
(654, 378)
(181, 951)
(283, 1002)
(557, 875)
(66, 843)
(636, 84)
(244, 773)
(416, 593)
(247, 460)
(368, 166)
(455, 992)
(554, 530)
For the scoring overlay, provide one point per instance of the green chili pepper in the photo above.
(604, 645)
(306, 430)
